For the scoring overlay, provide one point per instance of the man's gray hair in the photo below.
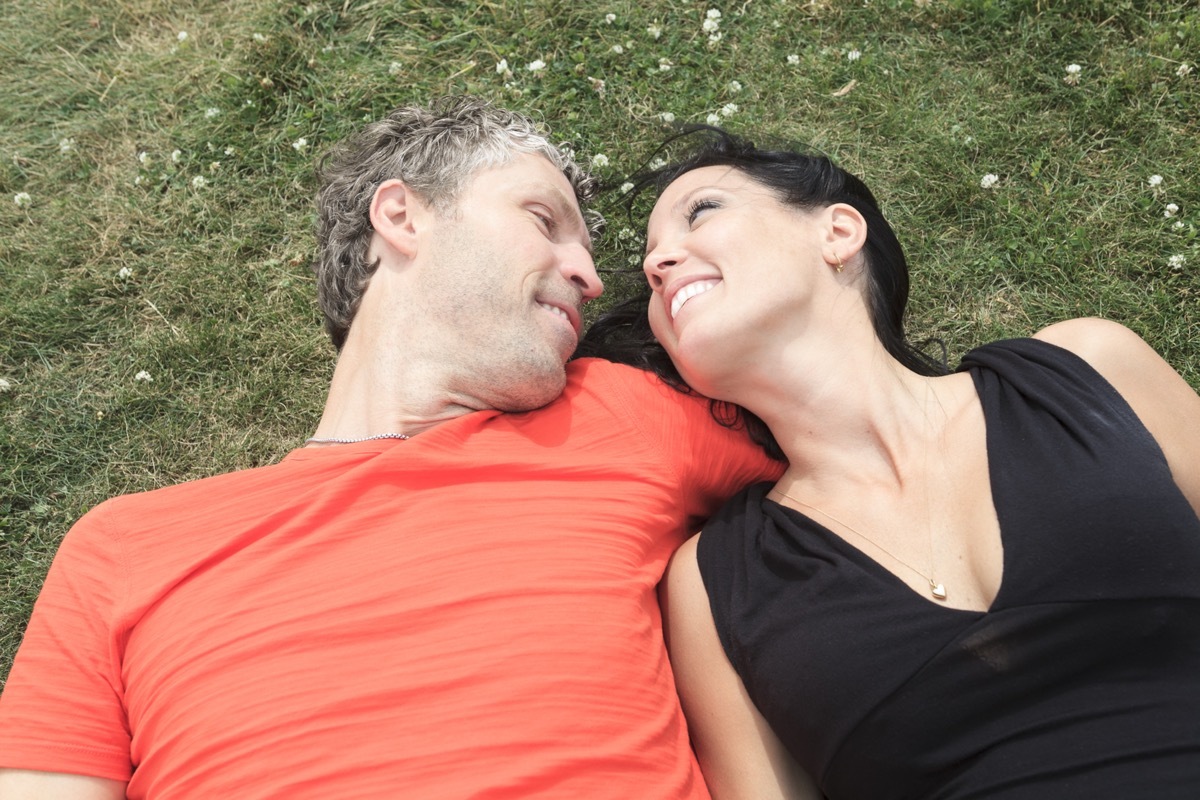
(436, 151)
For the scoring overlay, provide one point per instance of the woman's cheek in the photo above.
(658, 322)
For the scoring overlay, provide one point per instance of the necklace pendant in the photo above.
(937, 590)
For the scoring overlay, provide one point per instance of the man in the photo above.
(468, 613)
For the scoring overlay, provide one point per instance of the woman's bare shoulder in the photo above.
(1162, 399)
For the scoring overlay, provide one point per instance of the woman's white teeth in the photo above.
(688, 292)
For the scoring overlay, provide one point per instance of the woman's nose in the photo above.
(658, 264)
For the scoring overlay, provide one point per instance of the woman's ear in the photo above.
(846, 233)
(396, 214)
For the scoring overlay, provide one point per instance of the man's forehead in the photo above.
(526, 170)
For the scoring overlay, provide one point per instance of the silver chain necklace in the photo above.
(337, 440)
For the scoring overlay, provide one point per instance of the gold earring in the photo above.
(840, 265)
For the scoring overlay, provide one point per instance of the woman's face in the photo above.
(730, 267)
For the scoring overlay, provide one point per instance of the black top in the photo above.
(1081, 681)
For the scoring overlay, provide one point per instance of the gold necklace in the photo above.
(936, 589)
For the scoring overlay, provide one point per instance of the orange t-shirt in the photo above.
(470, 613)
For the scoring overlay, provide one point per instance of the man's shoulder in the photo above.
(592, 373)
(189, 497)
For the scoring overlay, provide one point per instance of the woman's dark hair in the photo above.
(800, 179)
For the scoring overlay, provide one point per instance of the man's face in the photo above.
(507, 271)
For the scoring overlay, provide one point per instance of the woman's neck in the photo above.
(849, 411)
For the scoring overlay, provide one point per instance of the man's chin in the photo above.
(539, 388)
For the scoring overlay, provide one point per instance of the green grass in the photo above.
(120, 264)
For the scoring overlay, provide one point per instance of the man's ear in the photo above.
(396, 215)
(845, 235)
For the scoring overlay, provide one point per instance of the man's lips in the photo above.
(567, 312)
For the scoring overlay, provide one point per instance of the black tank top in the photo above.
(1081, 681)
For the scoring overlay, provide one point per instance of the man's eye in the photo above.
(697, 207)
(546, 220)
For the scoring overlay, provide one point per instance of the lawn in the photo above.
(156, 178)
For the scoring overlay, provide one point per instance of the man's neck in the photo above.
(372, 395)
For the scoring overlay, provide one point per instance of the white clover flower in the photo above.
(712, 119)
(597, 85)
(124, 273)
(854, 55)
(658, 163)
(729, 109)
(300, 144)
(1178, 225)
(1073, 69)
(1171, 210)
(625, 234)
(667, 117)
(712, 13)
(1176, 262)
(1072, 76)
(625, 187)
(654, 30)
(144, 158)
(713, 38)
(214, 166)
(610, 18)
(139, 180)
(502, 67)
(665, 64)
(66, 145)
(258, 37)
(735, 86)
(210, 112)
(988, 181)
(176, 155)
(618, 49)
(181, 36)
(22, 199)
(1184, 70)
(536, 66)
(793, 59)
(5, 386)
(143, 376)
(1155, 180)
(395, 68)
(710, 25)
(599, 160)
(199, 182)
(230, 151)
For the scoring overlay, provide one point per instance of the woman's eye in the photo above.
(697, 207)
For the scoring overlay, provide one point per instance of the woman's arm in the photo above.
(20, 784)
(1164, 402)
(739, 754)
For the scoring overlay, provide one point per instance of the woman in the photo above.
(978, 584)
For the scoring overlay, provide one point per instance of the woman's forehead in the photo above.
(720, 175)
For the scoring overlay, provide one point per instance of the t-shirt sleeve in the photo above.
(711, 462)
(62, 708)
